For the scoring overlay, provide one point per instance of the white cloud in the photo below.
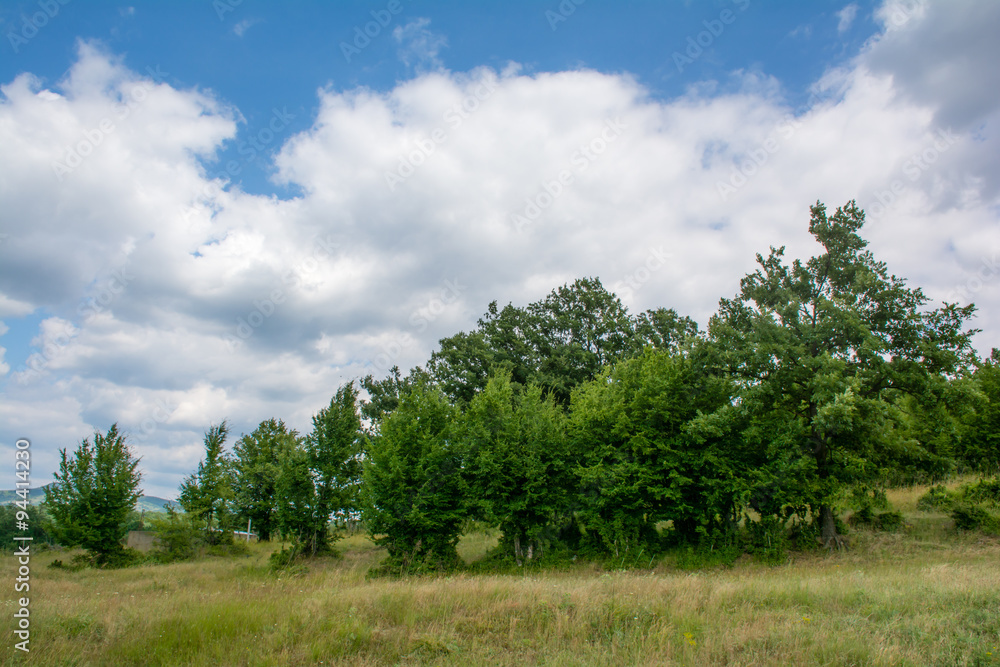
(418, 45)
(845, 17)
(155, 271)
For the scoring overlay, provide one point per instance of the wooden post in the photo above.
(248, 530)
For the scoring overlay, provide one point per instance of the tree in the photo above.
(414, 494)
(822, 349)
(295, 495)
(334, 451)
(518, 463)
(256, 466)
(557, 343)
(207, 494)
(981, 449)
(94, 492)
(642, 462)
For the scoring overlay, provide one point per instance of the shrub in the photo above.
(936, 498)
(177, 536)
(986, 491)
(973, 517)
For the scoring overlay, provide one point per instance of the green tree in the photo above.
(518, 463)
(822, 349)
(295, 490)
(641, 459)
(334, 452)
(94, 492)
(557, 343)
(414, 494)
(207, 494)
(981, 449)
(256, 464)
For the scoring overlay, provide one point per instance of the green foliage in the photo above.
(256, 465)
(414, 494)
(936, 498)
(207, 495)
(39, 524)
(823, 349)
(295, 492)
(981, 448)
(334, 453)
(969, 516)
(178, 537)
(767, 539)
(94, 492)
(654, 444)
(518, 464)
(985, 491)
(556, 343)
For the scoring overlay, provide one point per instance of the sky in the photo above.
(226, 209)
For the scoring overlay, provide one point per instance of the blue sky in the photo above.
(225, 209)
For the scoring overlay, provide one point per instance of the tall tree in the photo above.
(414, 494)
(518, 463)
(557, 342)
(207, 494)
(825, 346)
(640, 460)
(981, 449)
(256, 466)
(94, 492)
(334, 449)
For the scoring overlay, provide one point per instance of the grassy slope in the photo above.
(921, 597)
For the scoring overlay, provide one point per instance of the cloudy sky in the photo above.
(225, 209)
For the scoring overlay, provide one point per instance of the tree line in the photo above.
(573, 426)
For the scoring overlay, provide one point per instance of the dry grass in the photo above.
(920, 597)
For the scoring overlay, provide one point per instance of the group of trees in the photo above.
(570, 424)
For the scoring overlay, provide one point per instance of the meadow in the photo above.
(924, 595)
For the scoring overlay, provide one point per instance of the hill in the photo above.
(147, 503)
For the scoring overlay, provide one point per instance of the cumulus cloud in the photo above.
(173, 300)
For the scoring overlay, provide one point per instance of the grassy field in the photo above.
(922, 596)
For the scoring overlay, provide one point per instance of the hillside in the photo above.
(147, 503)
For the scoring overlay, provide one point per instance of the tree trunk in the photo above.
(828, 529)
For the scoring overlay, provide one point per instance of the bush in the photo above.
(936, 498)
(177, 536)
(973, 517)
(767, 539)
(887, 521)
(986, 491)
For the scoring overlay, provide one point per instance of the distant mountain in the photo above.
(147, 503)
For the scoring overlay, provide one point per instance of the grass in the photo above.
(922, 596)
